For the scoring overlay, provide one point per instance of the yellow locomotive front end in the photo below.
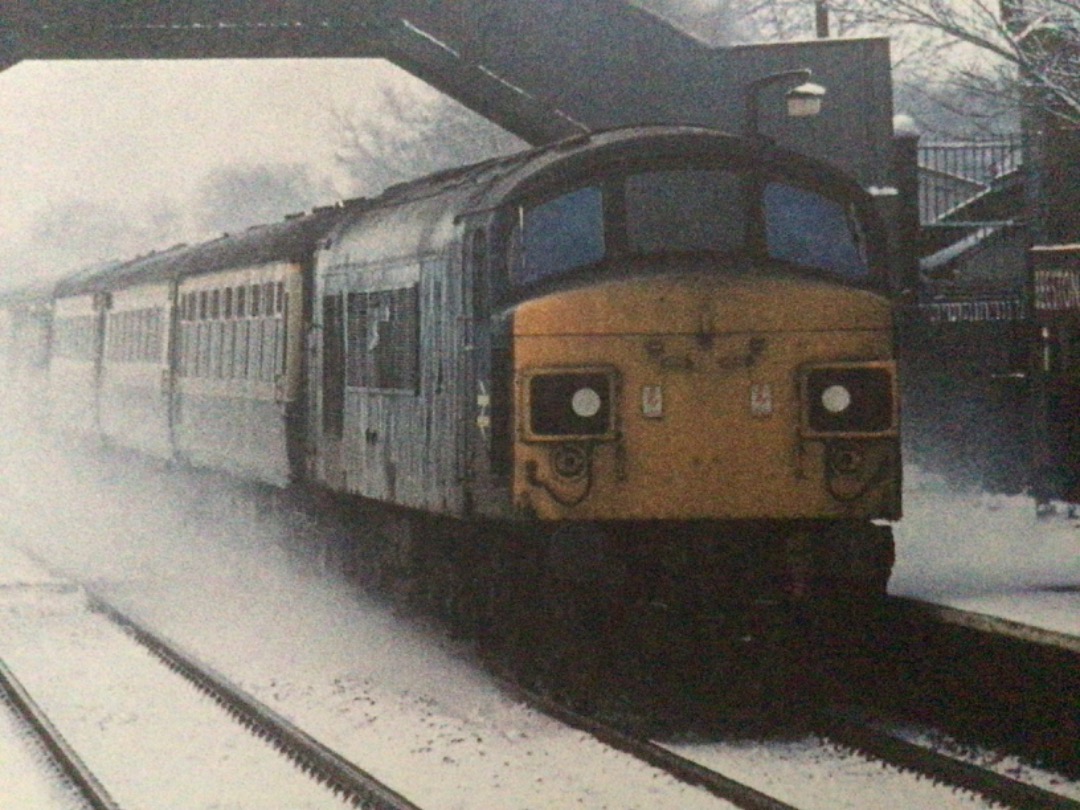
(705, 396)
(700, 366)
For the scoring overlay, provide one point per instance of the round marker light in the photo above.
(585, 403)
(836, 399)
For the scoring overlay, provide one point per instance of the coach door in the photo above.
(170, 374)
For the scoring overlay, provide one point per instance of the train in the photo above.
(654, 364)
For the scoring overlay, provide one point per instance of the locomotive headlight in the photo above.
(849, 398)
(836, 399)
(569, 404)
(586, 403)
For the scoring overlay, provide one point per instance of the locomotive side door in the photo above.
(474, 368)
(328, 345)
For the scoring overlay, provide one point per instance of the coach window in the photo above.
(241, 302)
(228, 302)
(255, 291)
(204, 333)
(478, 254)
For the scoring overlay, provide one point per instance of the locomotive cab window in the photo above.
(560, 235)
(688, 209)
(807, 229)
(684, 210)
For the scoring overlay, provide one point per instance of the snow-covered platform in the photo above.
(989, 555)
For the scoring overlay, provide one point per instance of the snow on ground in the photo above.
(150, 737)
(815, 775)
(208, 570)
(398, 701)
(27, 780)
(988, 554)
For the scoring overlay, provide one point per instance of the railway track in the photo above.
(66, 760)
(873, 741)
(858, 736)
(681, 768)
(984, 680)
(351, 783)
(345, 780)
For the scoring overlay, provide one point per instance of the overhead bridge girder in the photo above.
(243, 29)
(542, 69)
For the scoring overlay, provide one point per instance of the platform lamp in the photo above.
(803, 101)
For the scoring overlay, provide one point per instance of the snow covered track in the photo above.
(896, 751)
(63, 755)
(140, 729)
(342, 777)
(685, 770)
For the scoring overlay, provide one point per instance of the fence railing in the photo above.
(952, 175)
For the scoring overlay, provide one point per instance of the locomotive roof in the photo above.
(466, 189)
(503, 176)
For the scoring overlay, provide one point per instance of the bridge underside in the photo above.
(542, 69)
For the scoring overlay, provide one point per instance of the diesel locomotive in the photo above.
(659, 360)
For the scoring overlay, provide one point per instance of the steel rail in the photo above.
(676, 766)
(909, 609)
(326, 766)
(889, 748)
(65, 758)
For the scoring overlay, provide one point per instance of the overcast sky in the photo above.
(135, 133)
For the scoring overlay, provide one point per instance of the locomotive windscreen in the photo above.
(685, 210)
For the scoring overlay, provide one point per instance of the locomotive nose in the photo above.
(697, 398)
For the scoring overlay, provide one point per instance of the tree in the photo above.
(1025, 51)
(962, 67)
(82, 231)
(414, 130)
(236, 197)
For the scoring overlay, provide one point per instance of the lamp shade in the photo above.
(805, 100)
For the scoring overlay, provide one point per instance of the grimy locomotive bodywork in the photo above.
(663, 344)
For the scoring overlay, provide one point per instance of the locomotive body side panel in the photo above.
(135, 383)
(390, 364)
